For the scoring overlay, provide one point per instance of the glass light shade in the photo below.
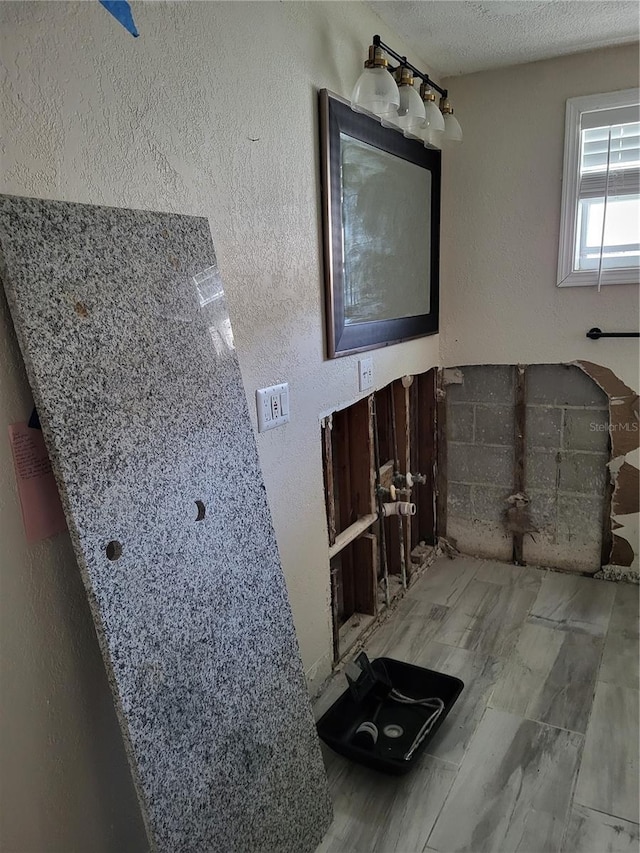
(377, 92)
(410, 112)
(452, 129)
(433, 137)
(434, 120)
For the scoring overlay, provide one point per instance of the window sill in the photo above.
(590, 278)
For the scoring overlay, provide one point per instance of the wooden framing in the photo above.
(422, 407)
(441, 451)
(519, 451)
(351, 533)
(353, 523)
(366, 558)
(329, 489)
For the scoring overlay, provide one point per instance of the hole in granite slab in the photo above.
(114, 550)
(201, 510)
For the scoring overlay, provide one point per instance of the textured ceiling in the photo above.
(459, 37)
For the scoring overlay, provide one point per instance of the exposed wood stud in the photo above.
(360, 462)
(423, 449)
(386, 475)
(329, 486)
(346, 537)
(519, 454)
(441, 456)
(400, 391)
(345, 515)
(366, 562)
(335, 635)
(381, 526)
(358, 455)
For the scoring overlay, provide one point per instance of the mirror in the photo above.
(381, 195)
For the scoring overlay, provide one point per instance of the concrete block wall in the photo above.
(566, 466)
(480, 430)
(566, 459)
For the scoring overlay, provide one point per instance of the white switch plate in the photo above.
(273, 406)
(365, 373)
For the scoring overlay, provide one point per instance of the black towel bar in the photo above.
(596, 333)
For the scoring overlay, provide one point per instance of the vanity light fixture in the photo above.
(433, 127)
(452, 129)
(411, 115)
(376, 91)
(394, 103)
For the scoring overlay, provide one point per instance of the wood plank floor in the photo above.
(540, 753)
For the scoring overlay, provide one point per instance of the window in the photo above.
(600, 226)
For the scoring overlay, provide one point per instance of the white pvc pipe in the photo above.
(398, 508)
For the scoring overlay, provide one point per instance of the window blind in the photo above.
(609, 189)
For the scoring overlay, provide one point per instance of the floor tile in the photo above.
(594, 832)
(512, 791)
(445, 581)
(492, 571)
(376, 813)
(620, 661)
(608, 780)
(478, 672)
(404, 637)
(527, 642)
(574, 603)
(550, 677)
(487, 618)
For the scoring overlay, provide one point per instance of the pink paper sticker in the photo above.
(42, 511)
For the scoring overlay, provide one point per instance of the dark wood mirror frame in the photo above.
(336, 118)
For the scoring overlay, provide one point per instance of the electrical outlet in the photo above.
(365, 373)
(272, 405)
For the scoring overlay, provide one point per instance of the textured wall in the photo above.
(64, 778)
(501, 213)
(168, 122)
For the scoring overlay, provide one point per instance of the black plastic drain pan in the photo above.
(337, 727)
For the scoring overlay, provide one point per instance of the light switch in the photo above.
(272, 405)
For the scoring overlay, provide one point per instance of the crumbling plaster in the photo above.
(624, 433)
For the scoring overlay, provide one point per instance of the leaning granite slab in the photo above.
(121, 319)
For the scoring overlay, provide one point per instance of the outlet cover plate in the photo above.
(365, 373)
(273, 406)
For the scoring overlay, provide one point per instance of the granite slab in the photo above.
(122, 322)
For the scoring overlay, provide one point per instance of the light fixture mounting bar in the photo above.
(377, 41)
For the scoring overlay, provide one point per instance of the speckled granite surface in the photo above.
(122, 322)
